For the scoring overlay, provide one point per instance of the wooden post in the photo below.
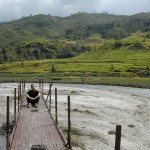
(50, 100)
(15, 105)
(24, 85)
(40, 85)
(18, 97)
(20, 90)
(118, 137)
(56, 119)
(69, 125)
(7, 134)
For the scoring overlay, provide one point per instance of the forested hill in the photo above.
(40, 36)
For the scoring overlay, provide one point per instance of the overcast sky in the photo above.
(15, 9)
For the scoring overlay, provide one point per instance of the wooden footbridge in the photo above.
(35, 128)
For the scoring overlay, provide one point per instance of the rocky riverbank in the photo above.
(95, 112)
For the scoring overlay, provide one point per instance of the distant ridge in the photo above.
(34, 33)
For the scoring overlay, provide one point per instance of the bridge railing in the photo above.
(48, 102)
(18, 99)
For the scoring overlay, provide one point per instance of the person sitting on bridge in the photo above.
(33, 96)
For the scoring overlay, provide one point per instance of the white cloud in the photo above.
(12, 9)
(125, 7)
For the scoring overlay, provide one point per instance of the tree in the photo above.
(36, 53)
(4, 51)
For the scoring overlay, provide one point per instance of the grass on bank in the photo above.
(104, 64)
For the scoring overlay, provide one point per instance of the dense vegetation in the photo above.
(84, 48)
(44, 36)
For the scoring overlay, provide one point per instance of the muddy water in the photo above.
(96, 110)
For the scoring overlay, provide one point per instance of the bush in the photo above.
(117, 70)
(53, 69)
(137, 46)
(118, 44)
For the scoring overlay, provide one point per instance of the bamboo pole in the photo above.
(18, 96)
(24, 84)
(15, 92)
(40, 85)
(7, 131)
(69, 125)
(56, 119)
(20, 90)
(50, 96)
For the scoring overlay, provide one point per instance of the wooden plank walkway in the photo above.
(36, 126)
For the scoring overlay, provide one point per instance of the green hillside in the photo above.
(124, 62)
(41, 36)
(81, 48)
